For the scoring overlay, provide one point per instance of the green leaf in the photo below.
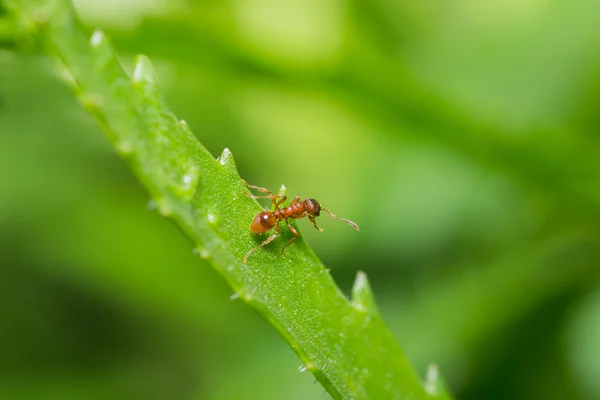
(345, 344)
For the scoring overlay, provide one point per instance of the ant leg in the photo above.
(352, 224)
(259, 197)
(260, 189)
(295, 200)
(270, 195)
(276, 199)
(297, 235)
(264, 243)
(282, 197)
(312, 219)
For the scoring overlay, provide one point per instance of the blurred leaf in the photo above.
(345, 344)
(582, 341)
(553, 160)
(7, 32)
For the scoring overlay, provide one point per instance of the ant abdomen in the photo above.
(263, 222)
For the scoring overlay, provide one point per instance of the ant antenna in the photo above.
(352, 224)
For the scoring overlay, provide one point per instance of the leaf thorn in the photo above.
(97, 38)
(362, 295)
(242, 294)
(143, 71)
(309, 366)
(432, 379)
(211, 218)
(66, 75)
(91, 101)
(124, 147)
(164, 208)
(203, 253)
(225, 157)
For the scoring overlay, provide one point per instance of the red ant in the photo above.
(265, 221)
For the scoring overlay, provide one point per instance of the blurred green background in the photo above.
(462, 136)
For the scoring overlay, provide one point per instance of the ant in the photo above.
(266, 220)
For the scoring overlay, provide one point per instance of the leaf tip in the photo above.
(143, 71)
(362, 295)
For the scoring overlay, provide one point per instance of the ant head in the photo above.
(312, 207)
(263, 222)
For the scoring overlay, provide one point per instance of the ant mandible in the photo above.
(266, 220)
